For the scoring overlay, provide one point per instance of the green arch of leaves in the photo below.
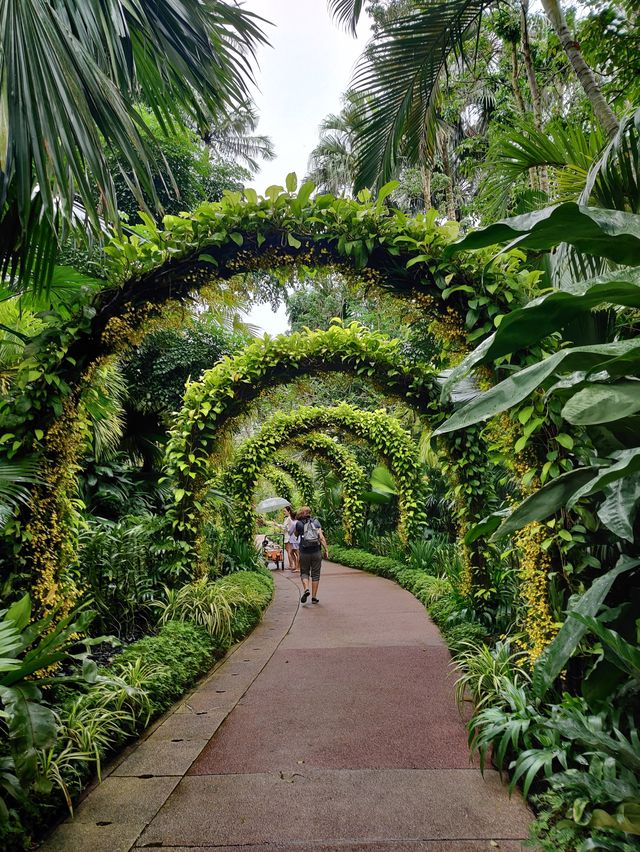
(349, 472)
(281, 481)
(380, 430)
(227, 389)
(285, 228)
(301, 477)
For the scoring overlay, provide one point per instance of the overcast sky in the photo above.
(300, 80)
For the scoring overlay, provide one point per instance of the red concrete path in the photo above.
(333, 726)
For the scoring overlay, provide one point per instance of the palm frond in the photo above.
(15, 477)
(614, 180)
(347, 12)
(568, 152)
(400, 72)
(70, 76)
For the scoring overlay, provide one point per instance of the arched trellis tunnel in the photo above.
(379, 430)
(226, 390)
(301, 478)
(340, 459)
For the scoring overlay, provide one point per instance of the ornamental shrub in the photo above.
(460, 635)
(183, 650)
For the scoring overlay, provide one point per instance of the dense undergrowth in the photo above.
(87, 714)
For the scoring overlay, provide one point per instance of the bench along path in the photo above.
(332, 727)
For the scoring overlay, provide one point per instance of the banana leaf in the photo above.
(518, 387)
(548, 313)
(612, 234)
(556, 656)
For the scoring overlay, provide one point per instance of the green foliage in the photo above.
(124, 565)
(613, 234)
(484, 669)
(180, 653)
(381, 431)
(213, 605)
(158, 370)
(103, 73)
(557, 654)
(300, 476)
(25, 650)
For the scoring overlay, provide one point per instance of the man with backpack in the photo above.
(312, 545)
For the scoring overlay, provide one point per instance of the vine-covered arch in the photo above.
(226, 390)
(338, 457)
(382, 432)
(155, 265)
(348, 471)
(280, 480)
(301, 477)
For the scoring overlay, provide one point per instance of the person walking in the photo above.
(290, 538)
(313, 545)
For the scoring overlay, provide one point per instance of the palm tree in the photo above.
(233, 135)
(332, 163)
(404, 63)
(71, 75)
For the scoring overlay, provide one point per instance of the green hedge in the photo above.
(435, 593)
(168, 662)
(187, 651)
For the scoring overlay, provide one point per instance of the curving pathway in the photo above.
(331, 727)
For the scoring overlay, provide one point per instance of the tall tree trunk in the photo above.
(536, 100)
(517, 94)
(446, 168)
(585, 75)
(425, 171)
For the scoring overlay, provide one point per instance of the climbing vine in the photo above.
(349, 473)
(301, 477)
(225, 390)
(383, 433)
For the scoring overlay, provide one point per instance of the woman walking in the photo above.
(291, 539)
(312, 546)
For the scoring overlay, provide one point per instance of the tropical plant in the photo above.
(98, 61)
(209, 605)
(399, 77)
(483, 670)
(27, 651)
(123, 566)
(232, 136)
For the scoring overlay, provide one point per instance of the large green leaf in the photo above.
(556, 656)
(30, 725)
(618, 511)
(546, 500)
(626, 463)
(525, 326)
(382, 480)
(515, 388)
(600, 403)
(625, 655)
(612, 234)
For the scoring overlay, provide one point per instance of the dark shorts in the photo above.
(310, 564)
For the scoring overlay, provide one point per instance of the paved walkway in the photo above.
(332, 727)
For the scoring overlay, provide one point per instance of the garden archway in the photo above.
(301, 478)
(346, 467)
(380, 430)
(226, 390)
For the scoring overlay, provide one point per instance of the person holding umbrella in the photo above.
(291, 543)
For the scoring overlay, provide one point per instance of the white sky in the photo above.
(300, 80)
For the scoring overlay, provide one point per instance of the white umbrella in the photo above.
(271, 504)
